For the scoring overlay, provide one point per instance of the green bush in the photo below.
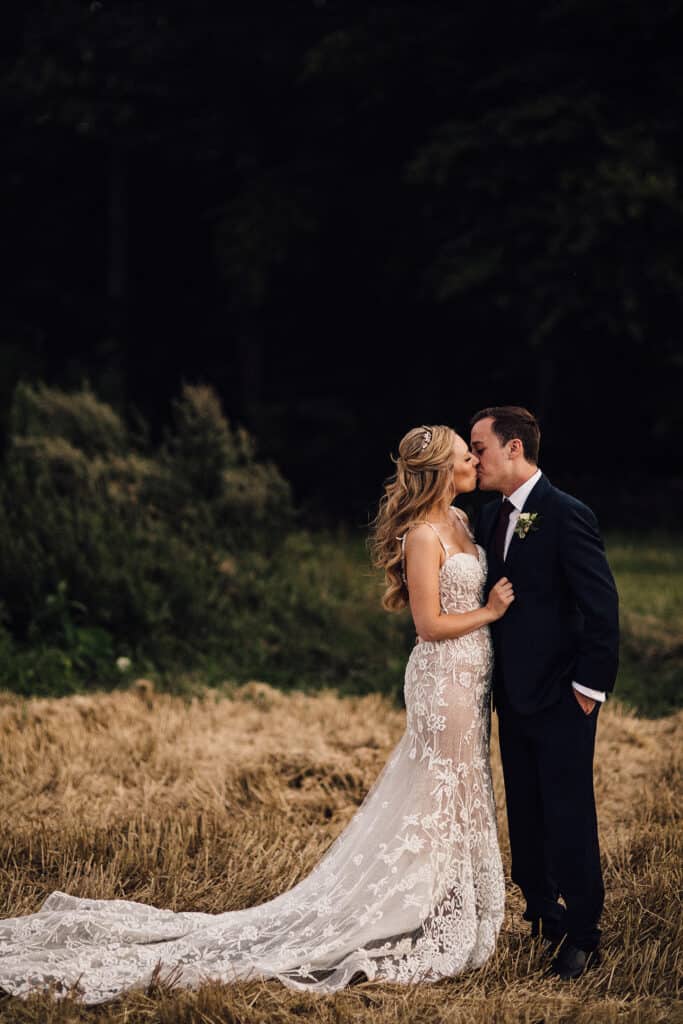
(80, 419)
(183, 561)
(107, 549)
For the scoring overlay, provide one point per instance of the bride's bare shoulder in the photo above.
(421, 537)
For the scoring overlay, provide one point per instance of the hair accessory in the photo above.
(426, 438)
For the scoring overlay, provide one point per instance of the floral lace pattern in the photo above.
(412, 890)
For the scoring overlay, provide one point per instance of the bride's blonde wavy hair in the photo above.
(424, 455)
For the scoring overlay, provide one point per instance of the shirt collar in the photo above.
(518, 498)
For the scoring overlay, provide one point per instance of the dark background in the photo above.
(351, 219)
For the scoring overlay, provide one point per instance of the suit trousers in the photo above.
(548, 770)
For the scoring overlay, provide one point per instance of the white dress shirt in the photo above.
(518, 500)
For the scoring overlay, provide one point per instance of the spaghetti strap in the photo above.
(462, 516)
(402, 539)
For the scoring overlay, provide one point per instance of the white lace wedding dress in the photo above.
(412, 890)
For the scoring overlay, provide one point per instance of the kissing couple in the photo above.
(522, 612)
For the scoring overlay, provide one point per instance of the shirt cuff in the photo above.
(587, 692)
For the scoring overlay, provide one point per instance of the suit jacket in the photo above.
(564, 622)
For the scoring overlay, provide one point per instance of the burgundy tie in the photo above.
(501, 528)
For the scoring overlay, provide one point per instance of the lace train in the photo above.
(412, 889)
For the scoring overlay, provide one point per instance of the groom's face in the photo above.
(494, 464)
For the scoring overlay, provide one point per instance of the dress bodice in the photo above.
(462, 576)
(462, 579)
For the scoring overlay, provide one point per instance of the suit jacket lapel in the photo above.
(533, 504)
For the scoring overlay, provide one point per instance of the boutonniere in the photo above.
(526, 521)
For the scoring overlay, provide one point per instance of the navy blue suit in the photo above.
(562, 626)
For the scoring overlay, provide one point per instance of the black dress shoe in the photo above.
(571, 962)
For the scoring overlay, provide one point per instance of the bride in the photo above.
(412, 890)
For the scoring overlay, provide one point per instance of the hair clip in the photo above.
(427, 436)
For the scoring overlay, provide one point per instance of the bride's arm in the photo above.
(423, 559)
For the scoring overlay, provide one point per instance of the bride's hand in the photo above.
(501, 597)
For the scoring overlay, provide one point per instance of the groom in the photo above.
(556, 653)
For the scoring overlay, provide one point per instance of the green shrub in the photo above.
(106, 550)
(79, 418)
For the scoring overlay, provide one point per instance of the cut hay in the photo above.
(221, 802)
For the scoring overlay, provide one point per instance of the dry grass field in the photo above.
(223, 801)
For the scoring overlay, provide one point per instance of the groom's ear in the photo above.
(515, 448)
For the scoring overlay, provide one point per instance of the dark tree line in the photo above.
(350, 218)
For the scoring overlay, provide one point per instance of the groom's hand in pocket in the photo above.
(585, 703)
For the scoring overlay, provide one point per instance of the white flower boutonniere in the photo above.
(526, 521)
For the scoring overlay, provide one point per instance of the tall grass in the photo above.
(225, 799)
(649, 574)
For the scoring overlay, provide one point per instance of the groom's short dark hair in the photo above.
(510, 421)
